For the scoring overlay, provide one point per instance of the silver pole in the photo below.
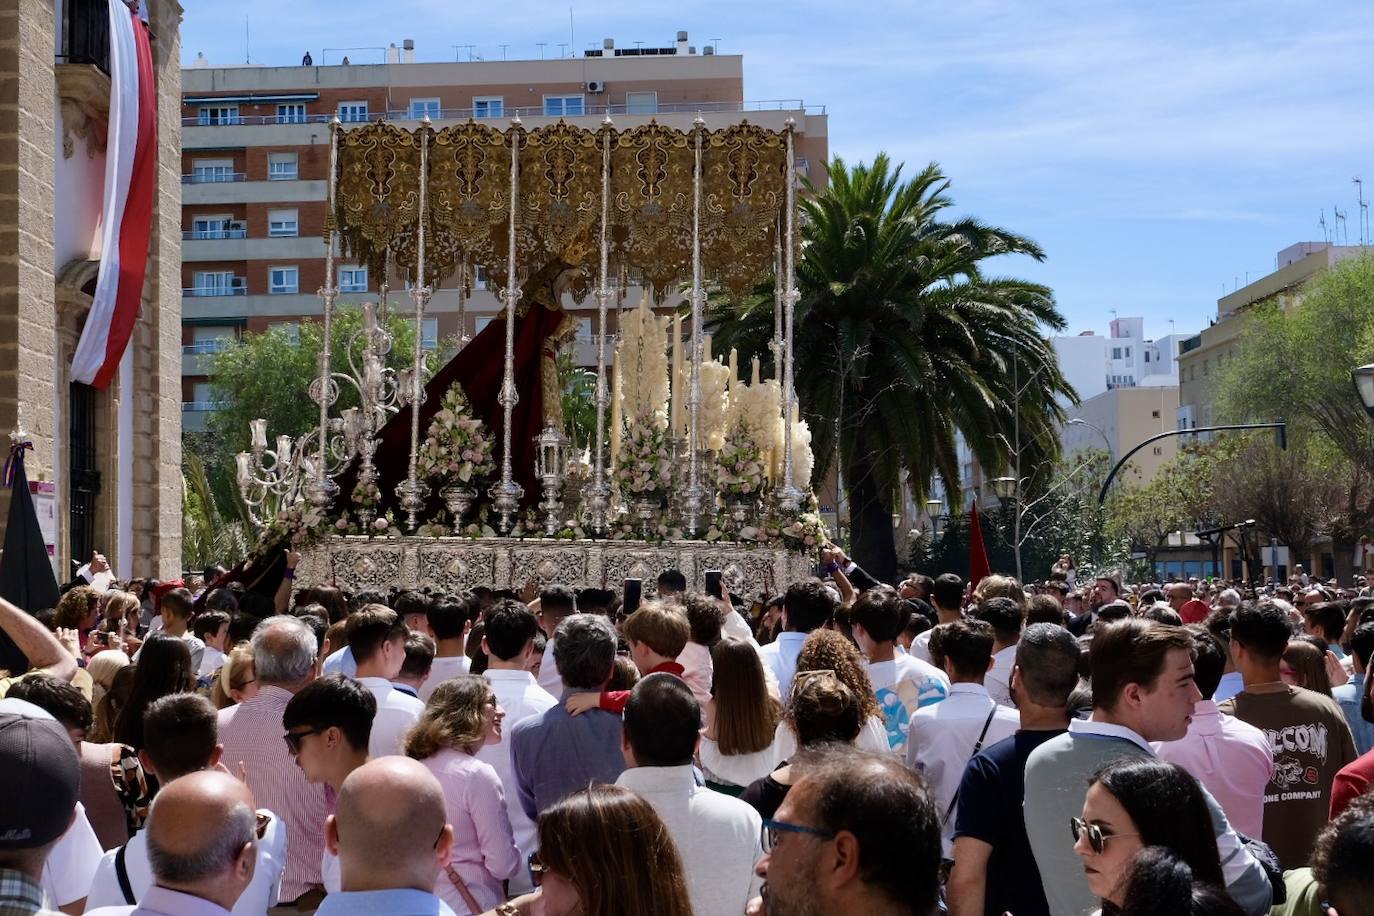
(507, 495)
(789, 495)
(413, 492)
(600, 491)
(321, 491)
(695, 492)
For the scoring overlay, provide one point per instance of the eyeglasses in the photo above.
(537, 869)
(771, 829)
(293, 739)
(264, 820)
(1097, 840)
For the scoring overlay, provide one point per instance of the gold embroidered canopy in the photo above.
(559, 199)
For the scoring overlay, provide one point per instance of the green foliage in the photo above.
(207, 535)
(903, 339)
(1180, 497)
(579, 402)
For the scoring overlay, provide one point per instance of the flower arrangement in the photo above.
(299, 525)
(366, 495)
(457, 449)
(806, 532)
(739, 466)
(644, 468)
(642, 358)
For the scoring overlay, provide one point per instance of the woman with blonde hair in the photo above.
(603, 851)
(826, 650)
(739, 743)
(102, 667)
(461, 717)
(237, 679)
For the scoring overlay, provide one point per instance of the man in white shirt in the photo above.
(1006, 618)
(212, 629)
(807, 606)
(555, 603)
(508, 641)
(947, 595)
(378, 640)
(180, 738)
(902, 683)
(450, 620)
(202, 838)
(717, 836)
(945, 736)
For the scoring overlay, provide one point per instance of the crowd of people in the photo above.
(192, 748)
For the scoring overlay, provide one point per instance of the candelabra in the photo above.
(788, 495)
(507, 494)
(695, 494)
(550, 447)
(270, 480)
(599, 493)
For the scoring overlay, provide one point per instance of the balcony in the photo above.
(237, 232)
(213, 345)
(537, 111)
(213, 177)
(86, 34)
(205, 292)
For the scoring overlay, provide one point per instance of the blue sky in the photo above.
(1158, 151)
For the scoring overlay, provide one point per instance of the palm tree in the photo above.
(903, 342)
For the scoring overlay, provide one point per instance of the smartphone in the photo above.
(713, 583)
(633, 592)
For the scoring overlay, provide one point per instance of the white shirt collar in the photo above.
(507, 674)
(164, 900)
(657, 779)
(967, 687)
(1107, 730)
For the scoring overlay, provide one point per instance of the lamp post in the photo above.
(1009, 488)
(1078, 421)
(1363, 377)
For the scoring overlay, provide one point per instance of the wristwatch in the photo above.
(506, 909)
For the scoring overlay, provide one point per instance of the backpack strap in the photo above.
(122, 873)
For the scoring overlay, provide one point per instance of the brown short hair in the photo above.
(661, 626)
(1132, 651)
(369, 627)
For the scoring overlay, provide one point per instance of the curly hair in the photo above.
(828, 650)
(75, 606)
(452, 718)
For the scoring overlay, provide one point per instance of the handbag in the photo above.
(462, 887)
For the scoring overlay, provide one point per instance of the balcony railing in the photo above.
(199, 292)
(212, 177)
(199, 234)
(202, 347)
(86, 33)
(200, 406)
(537, 111)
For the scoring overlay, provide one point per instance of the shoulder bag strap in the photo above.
(122, 873)
(462, 887)
(978, 746)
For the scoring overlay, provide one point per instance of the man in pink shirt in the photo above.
(284, 653)
(1231, 758)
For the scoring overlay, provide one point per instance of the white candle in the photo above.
(615, 405)
(754, 381)
(706, 348)
(675, 383)
(734, 368)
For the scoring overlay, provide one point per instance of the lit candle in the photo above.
(258, 434)
(675, 397)
(755, 380)
(734, 367)
(245, 474)
(615, 405)
(283, 449)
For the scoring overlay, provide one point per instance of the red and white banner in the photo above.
(127, 213)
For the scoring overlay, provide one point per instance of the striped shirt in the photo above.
(251, 732)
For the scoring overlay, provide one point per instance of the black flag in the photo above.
(26, 577)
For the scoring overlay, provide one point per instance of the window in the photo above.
(283, 223)
(421, 107)
(1154, 414)
(1159, 450)
(219, 114)
(212, 282)
(487, 106)
(479, 277)
(211, 339)
(641, 103)
(480, 324)
(429, 334)
(292, 329)
(584, 331)
(1128, 352)
(292, 113)
(353, 279)
(1116, 352)
(1205, 366)
(352, 111)
(283, 280)
(557, 106)
(211, 170)
(1147, 356)
(282, 166)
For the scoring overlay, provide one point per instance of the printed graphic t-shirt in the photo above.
(1311, 742)
(901, 687)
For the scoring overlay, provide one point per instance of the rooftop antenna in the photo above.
(1326, 233)
(542, 45)
(715, 43)
(1342, 228)
(562, 49)
(572, 31)
(245, 40)
(1364, 210)
(503, 50)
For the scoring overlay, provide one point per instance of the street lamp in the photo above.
(1079, 421)
(1363, 377)
(1004, 487)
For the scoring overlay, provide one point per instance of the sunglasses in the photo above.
(294, 739)
(1097, 840)
(264, 821)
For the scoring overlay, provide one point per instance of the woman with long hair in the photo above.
(102, 667)
(79, 610)
(163, 668)
(827, 650)
(604, 851)
(237, 679)
(115, 698)
(1147, 843)
(738, 745)
(1304, 665)
(461, 717)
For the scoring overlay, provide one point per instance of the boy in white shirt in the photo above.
(901, 683)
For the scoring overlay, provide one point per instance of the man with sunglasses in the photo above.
(858, 833)
(1143, 690)
(180, 738)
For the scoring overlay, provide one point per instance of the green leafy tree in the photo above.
(579, 402)
(904, 340)
(208, 536)
(1182, 496)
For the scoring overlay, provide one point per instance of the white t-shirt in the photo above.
(549, 678)
(901, 687)
(72, 863)
(443, 669)
(397, 711)
(210, 662)
(998, 678)
(260, 895)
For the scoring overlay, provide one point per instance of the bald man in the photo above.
(202, 844)
(391, 834)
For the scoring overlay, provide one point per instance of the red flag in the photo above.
(978, 566)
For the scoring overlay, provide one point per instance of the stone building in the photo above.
(114, 455)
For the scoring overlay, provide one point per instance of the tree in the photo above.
(905, 341)
(1180, 497)
(207, 535)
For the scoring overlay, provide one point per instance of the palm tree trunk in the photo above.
(870, 513)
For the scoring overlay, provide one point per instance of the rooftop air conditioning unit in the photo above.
(596, 86)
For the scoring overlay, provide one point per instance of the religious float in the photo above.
(468, 478)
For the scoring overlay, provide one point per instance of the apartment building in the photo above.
(1125, 358)
(256, 156)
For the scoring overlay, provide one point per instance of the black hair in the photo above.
(370, 627)
(881, 613)
(1328, 618)
(508, 627)
(163, 667)
(221, 599)
(662, 721)
(704, 616)
(180, 732)
(1262, 628)
(1362, 644)
(256, 604)
(1209, 662)
(1048, 657)
(208, 623)
(450, 614)
(809, 605)
(1004, 614)
(419, 658)
(410, 602)
(948, 591)
(557, 601)
(1150, 596)
(672, 579)
(1161, 883)
(241, 627)
(56, 697)
(334, 701)
(967, 646)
